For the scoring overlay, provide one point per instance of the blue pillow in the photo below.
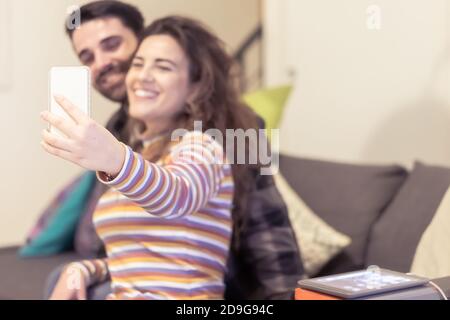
(59, 234)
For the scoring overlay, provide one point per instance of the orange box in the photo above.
(303, 294)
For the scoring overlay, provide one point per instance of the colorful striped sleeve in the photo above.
(191, 177)
(94, 271)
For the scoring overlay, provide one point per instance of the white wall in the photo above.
(30, 177)
(361, 95)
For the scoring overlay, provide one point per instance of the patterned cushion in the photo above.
(348, 197)
(318, 242)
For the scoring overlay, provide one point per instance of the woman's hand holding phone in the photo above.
(86, 143)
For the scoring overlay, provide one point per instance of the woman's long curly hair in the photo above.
(216, 101)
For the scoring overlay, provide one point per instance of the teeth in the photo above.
(145, 94)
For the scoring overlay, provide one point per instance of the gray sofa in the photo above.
(384, 209)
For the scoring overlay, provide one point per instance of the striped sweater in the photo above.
(166, 226)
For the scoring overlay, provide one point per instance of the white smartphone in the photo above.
(74, 84)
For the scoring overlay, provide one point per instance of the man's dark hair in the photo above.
(130, 16)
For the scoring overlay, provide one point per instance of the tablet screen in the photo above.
(362, 283)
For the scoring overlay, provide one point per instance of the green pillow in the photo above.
(269, 104)
(59, 234)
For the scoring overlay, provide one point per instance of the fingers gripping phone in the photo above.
(72, 83)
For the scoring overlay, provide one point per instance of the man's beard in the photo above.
(117, 92)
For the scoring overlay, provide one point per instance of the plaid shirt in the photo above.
(267, 263)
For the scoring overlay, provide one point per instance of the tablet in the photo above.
(359, 284)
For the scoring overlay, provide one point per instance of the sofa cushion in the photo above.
(318, 242)
(24, 278)
(57, 236)
(269, 104)
(396, 235)
(430, 259)
(348, 197)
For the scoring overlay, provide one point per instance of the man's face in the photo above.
(106, 46)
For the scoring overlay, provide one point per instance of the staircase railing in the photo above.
(246, 79)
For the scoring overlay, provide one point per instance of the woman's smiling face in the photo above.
(158, 82)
